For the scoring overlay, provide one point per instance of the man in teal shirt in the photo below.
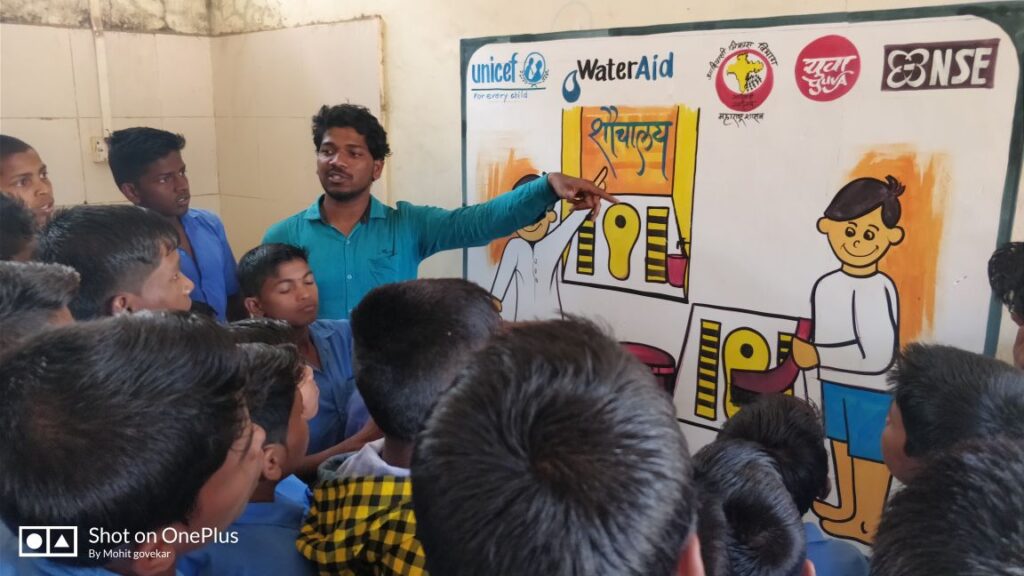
(355, 242)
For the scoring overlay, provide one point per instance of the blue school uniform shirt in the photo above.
(388, 244)
(833, 557)
(267, 532)
(213, 270)
(333, 341)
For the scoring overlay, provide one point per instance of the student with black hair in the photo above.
(135, 425)
(961, 515)
(749, 524)
(18, 232)
(355, 242)
(24, 176)
(1006, 276)
(126, 257)
(555, 452)
(789, 430)
(411, 339)
(148, 168)
(267, 529)
(855, 315)
(943, 395)
(276, 283)
(33, 296)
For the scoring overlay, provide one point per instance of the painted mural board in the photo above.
(799, 197)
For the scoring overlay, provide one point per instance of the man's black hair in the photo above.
(756, 525)
(116, 423)
(790, 430)
(1006, 276)
(410, 340)
(947, 395)
(9, 145)
(17, 227)
(262, 331)
(273, 373)
(961, 515)
(555, 452)
(114, 248)
(864, 195)
(132, 150)
(262, 262)
(359, 119)
(30, 294)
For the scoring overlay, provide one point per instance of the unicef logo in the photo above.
(535, 69)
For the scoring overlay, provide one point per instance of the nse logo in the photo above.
(650, 68)
(510, 79)
(938, 65)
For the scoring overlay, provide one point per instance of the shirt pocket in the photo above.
(384, 269)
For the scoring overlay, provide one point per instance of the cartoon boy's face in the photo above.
(860, 242)
(538, 229)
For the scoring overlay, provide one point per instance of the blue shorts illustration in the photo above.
(856, 416)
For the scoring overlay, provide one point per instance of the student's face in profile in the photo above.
(860, 242)
(894, 443)
(290, 295)
(162, 187)
(224, 496)
(344, 164)
(165, 289)
(24, 176)
(298, 434)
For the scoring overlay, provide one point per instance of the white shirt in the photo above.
(367, 462)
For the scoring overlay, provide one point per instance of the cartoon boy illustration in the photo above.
(855, 312)
(531, 261)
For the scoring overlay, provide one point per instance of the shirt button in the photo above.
(349, 276)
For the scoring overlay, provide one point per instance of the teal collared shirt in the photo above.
(388, 244)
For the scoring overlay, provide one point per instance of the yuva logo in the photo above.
(508, 79)
(827, 68)
(650, 68)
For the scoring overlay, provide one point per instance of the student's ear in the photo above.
(825, 224)
(153, 559)
(130, 192)
(896, 235)
(690, 562)
(252, 306)
(808, 568)
(378, 168)
(274, 457)
(120, 304)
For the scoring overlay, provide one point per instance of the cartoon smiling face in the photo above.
(538, 229)
(860, 243)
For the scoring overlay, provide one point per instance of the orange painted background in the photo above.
(497, 178)
(913, 264)
(628, 158)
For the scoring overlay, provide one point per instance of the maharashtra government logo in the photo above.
(745, 77)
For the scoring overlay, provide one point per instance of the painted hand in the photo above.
(581, 194)
(804, 354)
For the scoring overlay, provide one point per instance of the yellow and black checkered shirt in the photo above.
(363, 525)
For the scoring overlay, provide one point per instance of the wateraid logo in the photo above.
(506, 74)
(650, 68)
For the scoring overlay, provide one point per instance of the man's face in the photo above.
(24, 176)
(1018, 345)
(860, 242)
(344, 164)
(894, 444)
(538, 229)
(162, 187)
(165, 289)
(290, 295)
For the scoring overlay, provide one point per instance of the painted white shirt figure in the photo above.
(855, 328)
(533, 268)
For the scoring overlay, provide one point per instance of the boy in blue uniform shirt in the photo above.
(269, 526)
(150, 172)
(132, 429)
(277, 283)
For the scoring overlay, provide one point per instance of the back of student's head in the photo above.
(113, 248)
(32, 296)
(131, 150)
(962, 515)
(17, 229)
(356, 117)
(262, 262)
(1006, 276)
(555, 452)
(116, 423)
(946, 395)
(865, 195)
(749, 524)
(410, 339)
(262, 331)
(790, 430)
(273, 373)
